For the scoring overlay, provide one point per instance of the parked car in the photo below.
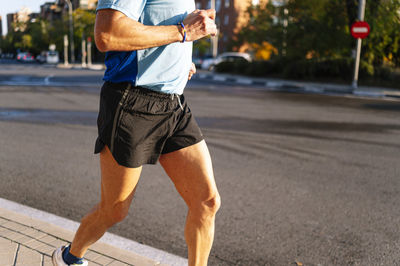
(49, 57)
(52, 57)
(9, 56)
(25, 57)
(42, 57)
(210, 63)
(198, 61)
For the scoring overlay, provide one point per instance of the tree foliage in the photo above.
(320, 29)
(202, 46)
(38, 34)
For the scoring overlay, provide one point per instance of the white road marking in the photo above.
(47, 79)
(369, 93)
(244, 81)
(314, 89)
(219, 78)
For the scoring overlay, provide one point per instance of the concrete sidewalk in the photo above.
(26, 240)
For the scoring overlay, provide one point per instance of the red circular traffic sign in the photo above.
(360, 29)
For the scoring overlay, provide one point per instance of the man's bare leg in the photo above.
(190, 169)
(117, 189)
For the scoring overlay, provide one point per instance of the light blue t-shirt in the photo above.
(165, 68)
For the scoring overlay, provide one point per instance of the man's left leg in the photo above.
(190, 169)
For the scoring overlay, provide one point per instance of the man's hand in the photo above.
(192, 71)
(200, 23)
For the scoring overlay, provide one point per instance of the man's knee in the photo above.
(115, 213)
(206, 207)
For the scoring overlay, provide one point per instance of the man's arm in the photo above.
(114, 31)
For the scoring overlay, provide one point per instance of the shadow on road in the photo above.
(276, 126)
(384, 106)
(294, 128)
(48, 116)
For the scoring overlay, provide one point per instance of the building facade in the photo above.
(1, 27)
(55, 10)
(231, 17)
(50, 11)
(17, 21)
(10, 20)
(82, 4)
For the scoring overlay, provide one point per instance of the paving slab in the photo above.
(29, 241)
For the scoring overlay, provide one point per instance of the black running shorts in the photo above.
(138, 124)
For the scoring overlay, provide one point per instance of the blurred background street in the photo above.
(303, 177)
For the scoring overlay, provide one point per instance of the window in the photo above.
(227, 3)
(217, 20)
(255, 2)
(217, 5)
(226, 19)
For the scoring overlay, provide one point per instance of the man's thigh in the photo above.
(190, 169)
(118, 182)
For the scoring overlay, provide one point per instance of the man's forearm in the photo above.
(125, 34)
(116, 32)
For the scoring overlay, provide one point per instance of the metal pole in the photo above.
(285, 25)
(361, 14)
(71, 31)
(214, 39)
(83, 50)
(66, 50)
(89, 51)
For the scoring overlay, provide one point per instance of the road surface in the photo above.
(306, 178)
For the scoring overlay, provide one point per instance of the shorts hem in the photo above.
(177, 148)
(151, 160)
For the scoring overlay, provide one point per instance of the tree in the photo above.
(383, 42)
(260, 36)
(260, 27)
(36, 36)
(201, 47)
(40, 36)
(320, 29)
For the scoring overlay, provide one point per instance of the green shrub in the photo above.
(225, 67)
(264, 68)
(241, 67)
(384, 73)
(326, 69)
(366, 70)
(256, 68)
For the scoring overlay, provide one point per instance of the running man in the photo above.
(144, 118)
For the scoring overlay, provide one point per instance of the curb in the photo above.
(109, 244)
(292, 86)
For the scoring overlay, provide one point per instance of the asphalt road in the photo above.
(306, 178)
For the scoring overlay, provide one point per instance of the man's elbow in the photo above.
(102, 40)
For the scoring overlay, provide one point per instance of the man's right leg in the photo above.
(118, 185)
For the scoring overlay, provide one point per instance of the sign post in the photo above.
(83, 50)
(89, 51)
(214, 39)
(65, 50)
(359, 30)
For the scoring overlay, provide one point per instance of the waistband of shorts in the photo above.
(144, 91)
